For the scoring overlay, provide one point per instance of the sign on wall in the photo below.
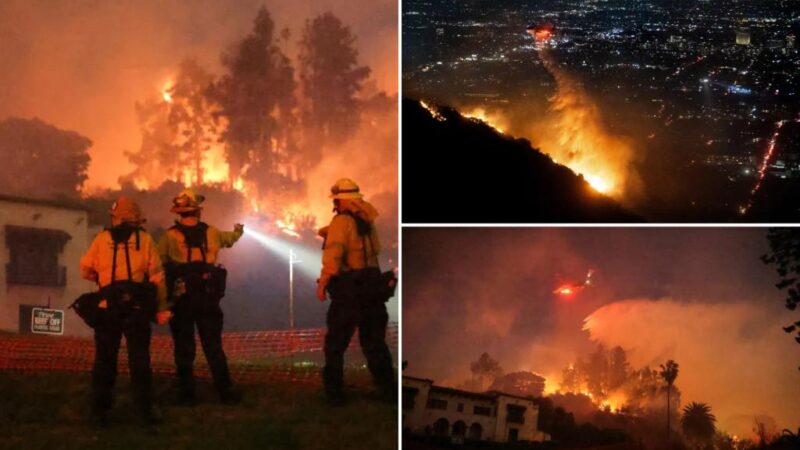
(47, 321)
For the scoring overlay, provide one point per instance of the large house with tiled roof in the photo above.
(463, 415)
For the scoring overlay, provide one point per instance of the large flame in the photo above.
(575, 135)
(493, 120)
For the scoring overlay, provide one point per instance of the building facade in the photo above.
(41, 243)
(492, 416)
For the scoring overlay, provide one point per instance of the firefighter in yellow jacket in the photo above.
(196, 284)
(123, 261)
(349, 267)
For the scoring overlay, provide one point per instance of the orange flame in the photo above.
(493, 120)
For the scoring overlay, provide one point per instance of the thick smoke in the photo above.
(744, 361)
(707, 302)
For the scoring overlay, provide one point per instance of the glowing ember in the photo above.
(166, 95)
(542, 35)
(434, 113)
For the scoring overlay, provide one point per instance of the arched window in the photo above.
(475, 431)
(441, 427)
(459, 429)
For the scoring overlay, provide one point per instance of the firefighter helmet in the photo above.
(345, 189)
(188, 200)
(125, 209)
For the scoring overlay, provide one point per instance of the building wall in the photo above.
(527, 431)
(467, 416)
(74, 223)
(420, 419)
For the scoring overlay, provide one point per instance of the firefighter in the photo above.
(196, 284)
(349, 268)
(124, 262)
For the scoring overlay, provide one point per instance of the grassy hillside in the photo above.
(50, 411)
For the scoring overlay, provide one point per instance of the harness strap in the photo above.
(364, 237)
(114, 265)
(203, 247)
(128, 262)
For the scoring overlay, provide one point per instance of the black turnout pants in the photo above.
(107, 336)
(351, 310)
(205, 313)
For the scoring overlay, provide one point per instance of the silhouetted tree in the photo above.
(669, 372)
(256, 99)
(697, 424)
(485, 368)
(784, 244)
(765, 429)
(330, 78)
(618, 368)
(41, 160)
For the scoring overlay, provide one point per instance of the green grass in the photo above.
(51, 411)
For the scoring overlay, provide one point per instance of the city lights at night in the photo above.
(666, 108)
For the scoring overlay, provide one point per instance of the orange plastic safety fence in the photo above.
(253, 356)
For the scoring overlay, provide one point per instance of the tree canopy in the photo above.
(42, 160)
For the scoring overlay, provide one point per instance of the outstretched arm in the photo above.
(228, 238)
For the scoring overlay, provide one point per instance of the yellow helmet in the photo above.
(125, 209)
(188, 200)
(345, 189)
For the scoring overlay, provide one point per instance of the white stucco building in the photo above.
(493, 416)
(41, 243)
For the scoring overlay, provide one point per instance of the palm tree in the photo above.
(669, 372)
(697, 423)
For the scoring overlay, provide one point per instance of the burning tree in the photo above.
(42, 160)
(603, 372)
(178, 133)
(256, 98)
(330, 79)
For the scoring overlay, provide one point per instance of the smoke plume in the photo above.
(746, 362)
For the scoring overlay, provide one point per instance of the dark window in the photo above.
(437, 403)
(408, 397)
(460, 407)
(513, 435)
(441, 427)
(475, 431)
(482, 411)
(516, 414)
(33, 256)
